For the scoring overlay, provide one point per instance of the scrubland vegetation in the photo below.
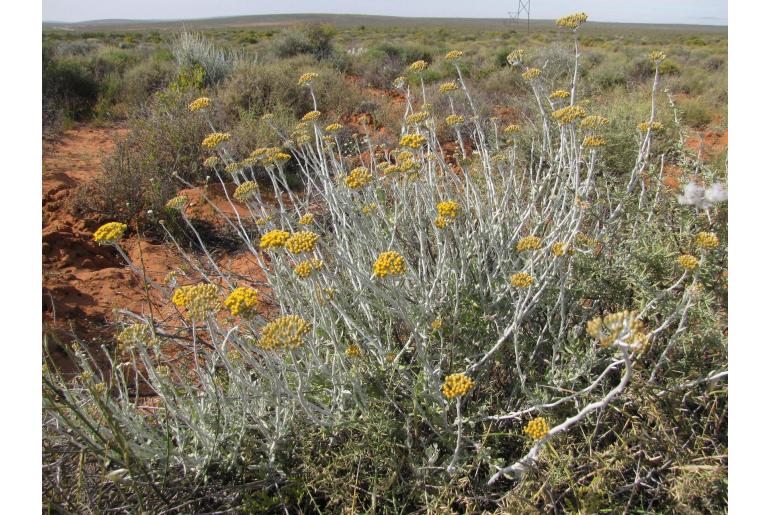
(491, 275)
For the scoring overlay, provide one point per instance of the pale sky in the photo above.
(703, 12)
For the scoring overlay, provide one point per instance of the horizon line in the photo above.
(166, 20)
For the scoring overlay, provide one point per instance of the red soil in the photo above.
(84, 284)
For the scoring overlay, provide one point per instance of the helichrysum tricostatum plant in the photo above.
(502, 251)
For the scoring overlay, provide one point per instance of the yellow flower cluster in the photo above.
(536, 428)
(623, 326)
(448, 87)
(531, 73)
(333, 127)
(529, 243)
(706, 240)
(133, 334)
(437, 324)
(688, 261)
(312, 115)
(594, 141)
(233, 168)
(515, 57)
(559, 248)
(417, 66)
(417, 117)
(304, 269)
(522, 280)
(358, 178)
(399, 82)
(306, 219)
(369, 208)
(199, 300)
(454, 119)
(211, 161)
(412, 140)
(448, 209)
(246, 190)
(593, 122)
(262, 220)
(389, 263)
(306, 78)
(559, 93)
(285, 332)
(198, 104)
(353, 351)
(569, 114)
(453, 55)
(645, 126)
(512, 129)
(178, 202)
(456, 385)
(214, 139)
(302, 241)
(242, 301)
(657, 56)
(274, 238)
(573, 21)
(109, 233)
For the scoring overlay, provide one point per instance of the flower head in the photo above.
(199, 300)
(306, 219)
(696, 195)
(211, 161)
(537, 428)
(353, 351)
(687, 261)
(454, 119)
(512, 129)
(214, 139)
(559, 248)
(389, 263)
(453, 55)
(593, 122)
(412, 140)
(418, 117)
(273, 239)
(306, 78)
(645, 126)
(302, 241)
(529, 243)
(399, 82)
(178, 202)
(242, 301)
(531, 73)
(109, 233)
(569, 114)
(417, 66)
(198, 104)
(448, 209)
(448, 87)
(333, 127)
(358, 178)
(522, 280)
(573, 21)
(594, 141)
(657, 56)
(304, 269)
(706, 240)
(559, 94)
(246, 190)
(622, 326)
(312, 115)
(456, 385)
(284, 332)
(515, 57)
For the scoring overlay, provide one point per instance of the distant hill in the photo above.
(347, 20)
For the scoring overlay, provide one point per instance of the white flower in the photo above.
(716, 193)
(704, 198)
